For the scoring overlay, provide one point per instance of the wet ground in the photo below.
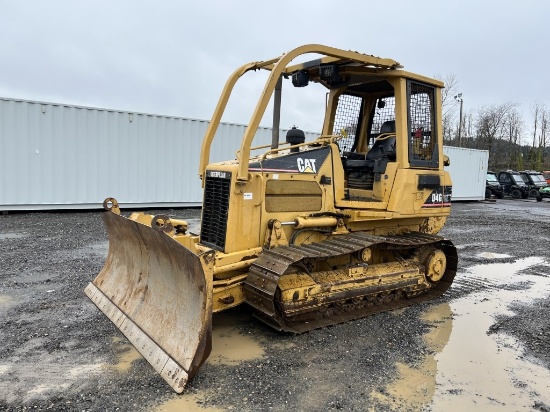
(485, 345)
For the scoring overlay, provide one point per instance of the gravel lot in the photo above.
(485, 345)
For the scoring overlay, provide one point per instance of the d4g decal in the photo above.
(440, 197)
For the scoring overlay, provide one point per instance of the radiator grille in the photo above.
(214, 212)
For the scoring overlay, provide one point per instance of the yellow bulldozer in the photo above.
(307, 233)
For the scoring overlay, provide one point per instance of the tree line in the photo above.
(513, 142)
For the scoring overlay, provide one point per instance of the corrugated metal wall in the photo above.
(55, 156)
(468, 170)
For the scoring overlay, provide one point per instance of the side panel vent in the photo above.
(215, 209)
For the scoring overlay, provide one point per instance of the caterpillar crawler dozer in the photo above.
(307, 233)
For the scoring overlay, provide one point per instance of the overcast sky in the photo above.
(173, 57)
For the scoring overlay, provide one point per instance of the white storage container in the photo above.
(468, 171)
(57, 156)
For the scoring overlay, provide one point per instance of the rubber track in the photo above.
(261, 283)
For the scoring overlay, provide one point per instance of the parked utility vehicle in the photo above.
(513, 184)
(493, 187)
(535, 181)
(545, 192)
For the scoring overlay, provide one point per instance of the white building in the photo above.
(57, 156)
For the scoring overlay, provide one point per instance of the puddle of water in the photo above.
(467, 245)
(6, 299)
(43, 388)
(127, 355)
(4, 236)
(507, 273)
(415, 386)
(468, 369)
(397, 312)
(229, 346)
(85, 369)
(488, 370)
(35, 277)
(441, 317)
(126, 358)
(187, 403)
(489, 255)
(9, 300)
(100, 248)
(283, 345)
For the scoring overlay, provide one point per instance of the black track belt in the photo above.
(262, 281)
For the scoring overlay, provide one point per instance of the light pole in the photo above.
(458, 98)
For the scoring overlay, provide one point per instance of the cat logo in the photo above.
(306, 165)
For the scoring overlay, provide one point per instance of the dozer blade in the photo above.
(159, 294)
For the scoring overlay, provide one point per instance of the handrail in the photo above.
(263, 156)
(322, 140)
(265, 146)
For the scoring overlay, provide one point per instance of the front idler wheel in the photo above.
(435, 263)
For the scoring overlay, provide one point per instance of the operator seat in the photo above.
(363, 172)
(386, 146)
(381, 148)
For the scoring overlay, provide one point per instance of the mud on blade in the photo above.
(159, 294)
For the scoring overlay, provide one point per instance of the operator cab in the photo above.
(374, 142)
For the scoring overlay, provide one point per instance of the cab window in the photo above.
(423, 147)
